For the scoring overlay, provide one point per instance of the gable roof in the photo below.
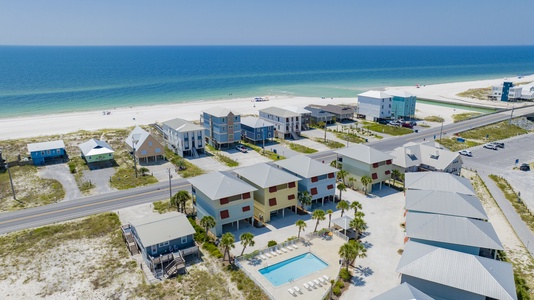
(412, 154)
(338, 109)
(445, 203)
(403, 292)
(218, 111)
(375, 94)
(318, 112)
(438, 181)
(279, 112)
(475, 274)
(255, 122)
(298, 110)
(452, 230)
(138, 134)
(95, 147)
(305, 166)
(181, 125)
(264, 175)
(364, 154)
(157, 228)
(59, 144)
(217, 185)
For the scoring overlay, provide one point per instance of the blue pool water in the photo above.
(293, 268)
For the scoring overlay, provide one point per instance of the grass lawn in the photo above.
(301, 148)
(464, 116)
(221, 157)
(269, 154)
(480, 94)
(453, 145)
(436, 119)
(498, 131)
(189, 169)
(124, 178)
(386, 129)
(77, 166)
(329, 143)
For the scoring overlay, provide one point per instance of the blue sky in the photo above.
(267, 22)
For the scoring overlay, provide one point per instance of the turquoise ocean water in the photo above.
(43, 80)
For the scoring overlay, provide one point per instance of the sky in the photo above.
(266, 22)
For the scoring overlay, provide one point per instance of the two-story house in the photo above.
(427, 156)
(318, 179)
(256, 130)
(145, 145)
(375, 105)
(225, 197)
(222, 127)
(362, 160)
(183, 137)
(287, 124)
(341, 113)
(305, 116)
(275, 191)
(402, 104)
(44, 152)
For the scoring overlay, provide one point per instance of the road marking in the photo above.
(88, 205)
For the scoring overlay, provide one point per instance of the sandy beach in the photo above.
(32, 126)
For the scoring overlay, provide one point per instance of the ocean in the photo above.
(43, 80)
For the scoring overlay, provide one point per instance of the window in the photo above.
(314, 179)
(269, 135)
(330, 186)
(158, 150)
(291, 197)
(314, 191)
(42, 152)
(291, 185)
(161, 245)
(388, 162)
(225, 214)
(375, 165)
(245, 208)
(183, 239)
(374, 176)
(272, 202)
(230, 126)
(143, 152)
(272, 189)
(246, 195)
(258, 136)
(154, 249)
(331, 175)
(149, 144)
(388, 172)
(224, 201)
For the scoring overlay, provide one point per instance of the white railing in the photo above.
(266, 291)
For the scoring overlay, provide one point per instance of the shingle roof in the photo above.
(445, 203)
(218, 111)
(438, 181)
(475, 274)
(364, 154)
(318, 112)
(217, 185)
(280, 112)
(158, 228)
(46, 146)
(403, 292)
(255, 122)
(413, 154)
(182, 125)
(337, 109)
(452, 230)
(305, 166)
(264, 175)
(95, 147)
(375, 94)
(138, 134)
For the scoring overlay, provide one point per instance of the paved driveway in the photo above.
(100, 179)
(160, 170)
(61, 173)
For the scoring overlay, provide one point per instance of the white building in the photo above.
(374, 105)
(427, 156)
(286, 123)
(183, 137)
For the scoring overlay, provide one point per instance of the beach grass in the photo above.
(163, 206)
(386, 129)
(453, 145)
(124, 178)
(436, 119)
(184, 167)
(493, 132)
(351, 137)
(221, 157)
(329, 143)
(267, 153)
(464, 116)
(480, 93)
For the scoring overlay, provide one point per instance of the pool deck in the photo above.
(322, 247)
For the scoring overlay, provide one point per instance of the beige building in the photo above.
(427, 156)
(276, 190)
(147, 148)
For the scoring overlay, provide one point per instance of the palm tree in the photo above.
(359, 225)
(361, 251)
(180, 199)
(341, 174)
(348, 253)
(305, 198)
(247, 239)
(343, 205)
(207, 222)
(395, 174)
(329, 212)
(334, 164)
(359, 214)
(356, 205)
(351, 181)
(366, 180)
(227, 242)
(321, 125)
(301, 225)
(318, 215)
(341, 187)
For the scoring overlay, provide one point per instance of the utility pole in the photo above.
(134, 142)
(263, 131)
(170, 187)
(511, 114)
(441, 131)
(11, 180)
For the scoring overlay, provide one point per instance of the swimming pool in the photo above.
(293, 268)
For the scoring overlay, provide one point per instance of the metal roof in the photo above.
(138, 134)
(364, 154)
(403, 292)
(445, 203)
(255, 122)
(343, 222)
(217, 185)
(182, 125)
(305, 166)
(218, 111)
(279, 112)
(412, 154)
(95, 147)
(475, 274)
(438, 181)
(399, 93)
(157, 228)
(46, 146)
(375, 94)
(452, 230)
(298, 110)
(264, 175)
(318, 112)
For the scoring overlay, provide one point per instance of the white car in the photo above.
(241, 148)
(466, 153)
(490, 146)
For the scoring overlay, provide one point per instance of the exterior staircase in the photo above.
(294, 135)
(194, 152)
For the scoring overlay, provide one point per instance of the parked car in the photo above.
(394, 123)
(500, 145)
(490, 146)
(382, 121)
(466, 153)
(524, 167)
(407, 125)
(241, 148)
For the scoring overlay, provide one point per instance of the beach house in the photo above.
(183, 137)
(222, 127)
(500, 92)
(341, 113)
(361, 160)
(375, 105)
(144, 146)
(445, 203)
(96, 151)
(45, 152)
(225, 197)
(318, 179)
(426, 156)
(402, 104)
(318, 115)
(403, 291)
(256, 130)
(276, 190)
(438, 181)
(287, 124)
(305, 116)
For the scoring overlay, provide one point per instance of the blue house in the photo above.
(403, 104)
(256, 130)
(222, 127)
(42, 153)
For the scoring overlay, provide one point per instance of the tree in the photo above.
(359, 225)
(361, 251)
(180, 199)
(143, 171)
(329, 212)
(341, 174)
(341, 187)
(247, 239)
(348, 253)
(321, 125)
(366, 180)
(227, 242)
(305, 198)
(395, 174)
(356, 205)
(351, 181)
(335, 164)
(359, 214)
(318, 215)
(301, 225)
(343, 205)
(207, 222)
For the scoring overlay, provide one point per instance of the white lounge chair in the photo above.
(326, 277)
(263, 256)
(321, 279)
(307, 286)
(296, 288)
(291, 291)
(283, 250)
(316, 282)
(279, 252)
(268, 255)
(312, 284)
(273, 253)
(295, 246)
(289, 247)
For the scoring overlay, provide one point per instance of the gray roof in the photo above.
(413, 154)
(182, 125)
(46, 146)
(318, 112)
(438, 181)
(279, 112)
(156, 229)
(364, 154)
(305, 166)
(255, 122)
(217, 185)
(403, 292)
(375, 94)
(475, 274)
(264, 175)
(138, 134)
(452, 230)
(95, 147)
(399, 93)
(445, 203)
(298, 110)
(334, 109)
(218, 111)
(343, 222)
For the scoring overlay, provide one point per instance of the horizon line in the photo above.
(252, 45)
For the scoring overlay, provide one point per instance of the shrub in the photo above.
(340, 284)
(72, 167)
(272, 243)
(212, 249)
(345, 275)
(336, 290)
(200, 233)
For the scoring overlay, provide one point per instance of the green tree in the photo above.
(329, 212)
(180, 199)
(343, 205)
(348, 253)
(341, 175)
(301, 225)
(359, 225)
(395, 174)
(359, 214)
(207, 222)
(351, 181)
(323, 125)
(361, 251)
(227, 242)
(341, 187)
(335, 164)
(305, 199)
(356, 205)
(318, 215)
(366, 180)
(143, 171)
(247, 239)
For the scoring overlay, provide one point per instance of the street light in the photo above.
(441, 131)
(170, 188)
